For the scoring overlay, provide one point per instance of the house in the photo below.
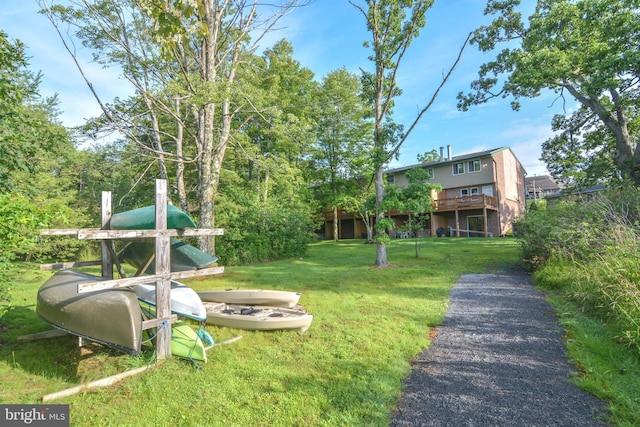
(482, 194)
(539, 187)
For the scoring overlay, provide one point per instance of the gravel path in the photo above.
(497, 360)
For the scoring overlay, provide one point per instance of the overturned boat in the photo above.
(184, 257)
(145, 219)
(184, 301)
(109, 316)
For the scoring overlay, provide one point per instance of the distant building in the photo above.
(482, 193)
(540, 187)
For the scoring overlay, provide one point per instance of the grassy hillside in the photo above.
(347, 369)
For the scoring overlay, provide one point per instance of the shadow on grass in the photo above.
(57, 357)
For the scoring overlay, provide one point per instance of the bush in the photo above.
(264, 233)
(588, 249)
(22, 219)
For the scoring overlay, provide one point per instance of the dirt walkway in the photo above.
(497, 360)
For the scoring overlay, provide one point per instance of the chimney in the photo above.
(449, 151)
(441, 154)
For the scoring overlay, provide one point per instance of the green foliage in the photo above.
(258, 232)
(581, 154)
(27, 123)
(428, 156)
(22, 219)
(340, 165)
(581, 48)
(605, 370)
(588, 250)
(346, 370)
(414, 199)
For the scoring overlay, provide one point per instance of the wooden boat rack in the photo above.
(163, 275)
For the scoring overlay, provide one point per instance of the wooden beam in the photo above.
(105, 382)
(163, 268)
(107, 260)
(146, 265)
(226, 342)
(486, 225)
(41, 335)
(211, 271)
(153, 323)
(59, 265)
(131, 281)
(100, 234)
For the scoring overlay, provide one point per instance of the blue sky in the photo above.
(327, 35)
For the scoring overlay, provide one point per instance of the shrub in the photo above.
(264, 233)
(588, 249)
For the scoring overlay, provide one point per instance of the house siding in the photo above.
(501, 177)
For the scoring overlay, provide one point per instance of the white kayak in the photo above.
(184, 300)
(259, 318)
(252, 297)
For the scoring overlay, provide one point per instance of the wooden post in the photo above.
(163, 268)
(107, 262)
(484, 218)
(457, 223)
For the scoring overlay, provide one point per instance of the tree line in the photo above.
(256, 144)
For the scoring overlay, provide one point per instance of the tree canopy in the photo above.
(583, 49)
(393, 25)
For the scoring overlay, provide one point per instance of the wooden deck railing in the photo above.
(466, 202)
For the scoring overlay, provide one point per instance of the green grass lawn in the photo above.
(347, 369)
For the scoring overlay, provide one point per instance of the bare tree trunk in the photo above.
(206, 168)
(335, 224)
(157, 138)
(179, 139)
(381, 246)
(265, 186)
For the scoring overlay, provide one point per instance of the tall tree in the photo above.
(281, 124)
(28, 123)
(587, 49)
(581, 154)
(393, 25)
(341, 158)
(205, 43)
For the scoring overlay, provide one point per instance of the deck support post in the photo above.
(484, 218)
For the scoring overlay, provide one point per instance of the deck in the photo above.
(480, 201)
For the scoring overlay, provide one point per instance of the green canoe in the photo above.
(145, 219)
(184, 257)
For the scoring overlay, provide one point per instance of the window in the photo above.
(430, 173)
(458, 168)
(475, 191)
(464, 192)
(474, 165)
(391, 179)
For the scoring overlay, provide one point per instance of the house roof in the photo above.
(543, 183)
(454, 159)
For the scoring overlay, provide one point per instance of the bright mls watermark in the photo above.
(34, 415)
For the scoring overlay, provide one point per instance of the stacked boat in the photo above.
(260, 310)
(113, 317)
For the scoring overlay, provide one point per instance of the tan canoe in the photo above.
(258, 318)
(252, 297)
(109, 316)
